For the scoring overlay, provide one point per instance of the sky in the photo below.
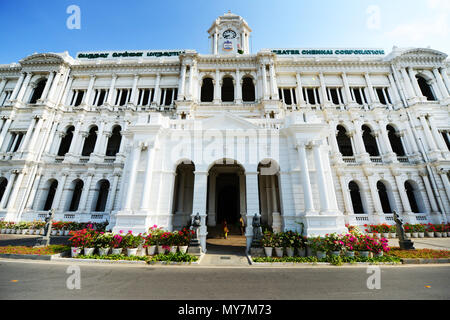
(30, 26)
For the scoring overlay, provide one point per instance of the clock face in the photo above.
(229, 34)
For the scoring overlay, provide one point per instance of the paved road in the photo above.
(47, 280)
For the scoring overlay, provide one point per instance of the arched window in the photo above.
(384, 198)
(66, 141)
(207, 92)
(344, 142)
(396, 142)
(3, 184)
(101, 195)
(356, 197)
(114, 142)
(37, 93)
(76, 194)
(227, 89)
(370, 143)
(413, 195)
(426, 88)
(89, 142)
(248, 90)
(52, 186)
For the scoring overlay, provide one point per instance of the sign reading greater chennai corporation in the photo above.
(128, 54)
(330, 52)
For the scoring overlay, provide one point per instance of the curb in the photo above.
(425, 261)
(34, 256)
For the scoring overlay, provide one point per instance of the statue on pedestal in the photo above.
(405, 244)
(256, 224)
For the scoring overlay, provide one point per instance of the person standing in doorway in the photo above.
(225, 229)
(242, 225)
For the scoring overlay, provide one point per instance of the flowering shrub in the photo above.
(132, 241)
(104, 240)
(334, 242)
(350, 242)
(85, 238)
(317, 243)
(267, 239)
(116, 241)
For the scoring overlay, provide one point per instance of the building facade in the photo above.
(321, 137)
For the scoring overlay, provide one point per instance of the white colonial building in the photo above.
(319, 136)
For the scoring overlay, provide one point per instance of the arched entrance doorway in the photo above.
(226, 203)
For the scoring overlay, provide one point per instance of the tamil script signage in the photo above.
(330, 52)
(127, 54)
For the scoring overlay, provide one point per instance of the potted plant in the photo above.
(334, 244)
(79, 240)
(185, 239)
(2, 226)
(319, 246)
(299, 244)
(103, 243)
(429, 230)
(439, 229)
(267, 243)
(349, 241)
(420, 230)
(288, 241)
(362, 245)
(408, 229)
(277, 243)
(150, 244)
(384, 230)
(164, 242)
(116, 244)
(132, 242)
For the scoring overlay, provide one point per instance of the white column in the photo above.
(15, 190)
(273, 82)
(306, 182)
(407, 82)
(212, 199)
(2, 86)
(437, 137)
(322, 183)
(238, 87)
(299, 90)
(348, 205)
(112, 193)
(445, 77)
(145, 200)
(100, 143)
(111, 90)
(412, 75)
(83, 207)
(22, 91)
(28, 134)
(5, 129)
(199, 203)
(12, 178)
(134, 94)
(440, 83)
(426, 181)
(323, 89)
(35, 135)
(394, 90)
(33, 192)
(348, 95)
(251, 183)
(47, 85)
(157, 95)
(17, 87)
(402, 192)
(182, 82)
(59, 191)
(242, 198)
(87, 97)
(445, 182)
(375, 197)
(132, 176)
(264, 79)
(64, 99)
(370, 87)
(428, 135)
(51, 94)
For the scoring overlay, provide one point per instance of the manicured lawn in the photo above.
(49, 250)
(419, 253)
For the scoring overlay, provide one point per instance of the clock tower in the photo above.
(229, 34)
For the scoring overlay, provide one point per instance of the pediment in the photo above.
(227, 120)
(423, 53)
(45, 58)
